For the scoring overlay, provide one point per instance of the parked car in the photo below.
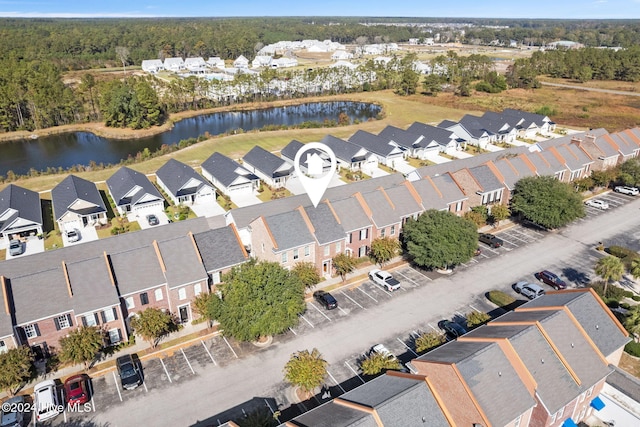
(73, 235)
(629, 191)
(76, 390)
(152, 219)
(384, 279)
(597, 203)
(381, 349)
(13, 412)
(452, 329)
(490, 240)
(551, 279)
(326, 299)
(15, 248)
(529, 290)
(46, 403)
(128, 371)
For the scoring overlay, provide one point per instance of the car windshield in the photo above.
(14, 244)
(127, 371)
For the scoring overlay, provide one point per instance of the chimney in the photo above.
(591, 138)
(576, 140)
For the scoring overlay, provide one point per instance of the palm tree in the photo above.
(610, 268)
(635, 268)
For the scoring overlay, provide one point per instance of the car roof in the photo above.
(534, 287)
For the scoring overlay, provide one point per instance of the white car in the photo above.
(384, 279)
(46, 401)
(381, 349)
(73, 235)
(599, 204)
(529, 290)
(629, 191)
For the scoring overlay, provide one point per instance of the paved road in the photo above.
(212, 391)
(592, 89)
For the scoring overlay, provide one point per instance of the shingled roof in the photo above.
(17, 202)
(128, 186)
(74, 188)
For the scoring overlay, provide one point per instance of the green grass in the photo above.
(268, 194)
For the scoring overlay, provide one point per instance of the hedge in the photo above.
(633, 348)
(500, 299)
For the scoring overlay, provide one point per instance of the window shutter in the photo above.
(84, 321)
(55, 320)
(104, 319)
(22, 336)
(37, 329)
(95, 315)
(119, 335)
(70, 320)
(115, 314)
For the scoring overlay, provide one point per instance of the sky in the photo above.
(558, 9)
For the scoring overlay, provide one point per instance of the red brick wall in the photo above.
(540, 417)
(151, 294)
(468, 185)
(356, 243)
(9, 342)
(49, 334)
(175, 301)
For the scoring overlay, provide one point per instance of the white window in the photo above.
(459, 206)
(263, 248)
(516, 423)
(3, 347)
(307, 251)
(129, 302)
(182, 294)
(108, 315)
(284, 257)
(327, 250)
(338, 247)
(382, 232)
(63, 322)
(90, 320)
(364, 234)
(296, 255)
(114, 336)
(589, 392)
(158, 295)
(31, 331)
(393, 230)
(362, 251)
(197, 289)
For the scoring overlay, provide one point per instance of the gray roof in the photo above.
(291, 149)
(175, 175)
(48, 285)
(289, 230)
(6, 324)
(449, 189)
(326, 227)
(93, 294)
(431, 133)
(344, 150)
(496, 121)
(136, 269)
(24, 201)
(543, 168)
(124, 180)
(401, 137)
(571, 159)
(525, 117)
(486, 178)
(226, 170)
(266, 162)
(182, 261)
(352, 216)
(475, 125)
(431, 197)
(508, 172)
(625, 383)
(596, 319)
(382, 213)
(374, 143)
(608, 150)
(332, 414)
(403, 201)
(74, 188)
(220, 248)
(626, 143)
(399, 401)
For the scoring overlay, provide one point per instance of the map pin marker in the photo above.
(315, 181)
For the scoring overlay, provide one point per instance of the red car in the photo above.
(76, 390)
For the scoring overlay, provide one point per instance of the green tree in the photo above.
(477, 318)
(630, 172)
(259, 299)
(634, 268)
(383, 250)
(499, 213)
(15, 368)
(307, 273)
(439, 239)
(152, 324)
(306, 370)
(81, 345)
(432, 84)
(207, 305)
(408, 81)
(632, 322)
(376, 363)
(546, 201)
(343, 264)
(610, 268)
(429, 340)
(475, 217)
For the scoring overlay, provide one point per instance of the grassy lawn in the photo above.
(53, 240)
(348, 176)
(226, 204)
(417, 163)
(119, 222)
(174, 213)
(3, 254)
(268, 194)
(386, 168)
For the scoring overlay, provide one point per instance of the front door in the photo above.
(326, 268)
(184, 313)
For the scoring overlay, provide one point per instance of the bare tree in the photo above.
(123, 56)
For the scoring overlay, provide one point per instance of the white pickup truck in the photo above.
(384, 279)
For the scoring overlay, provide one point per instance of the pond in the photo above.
(80, 148)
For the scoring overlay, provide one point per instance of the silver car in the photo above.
(596, 203)
(15, 248)
(73, 235)
(529, 290)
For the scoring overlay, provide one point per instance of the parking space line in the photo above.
(272, 411)
(459, 314)
(294, 332)
(340, 308)
(352, 300)
(517, 238)
(357, 374)
(511, 243)
(230, 348)
(188, 363)
(165, 370)
(64, 415)
(491, 250)
(407, 278)
(432, 327)
(423, 275)
(144, 384)
(209, 353)
(408, 348)
(367, 294)
(305, 319)
(337, 383)
(115, 381)
(319, 311)
(93, 398)
(473, 308)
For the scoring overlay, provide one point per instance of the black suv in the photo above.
(326, 299)
(129, 372)
(453, 329)
(551, 279)
(490, 240)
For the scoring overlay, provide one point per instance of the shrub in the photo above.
(477, 318)
(636, 297)
(614, 293)
(500, 299)
(633, 348)
(428, 340)
(621, 251)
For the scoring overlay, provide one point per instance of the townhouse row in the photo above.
(104, 283)
(542, 365)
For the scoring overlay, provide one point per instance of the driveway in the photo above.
(31, 246)
(437, 158)
(242, 199)
(207, 209)
(403, 166)
(493, 148)
(461, 154)
(374, 172)
(87, 234)
(142, 219)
